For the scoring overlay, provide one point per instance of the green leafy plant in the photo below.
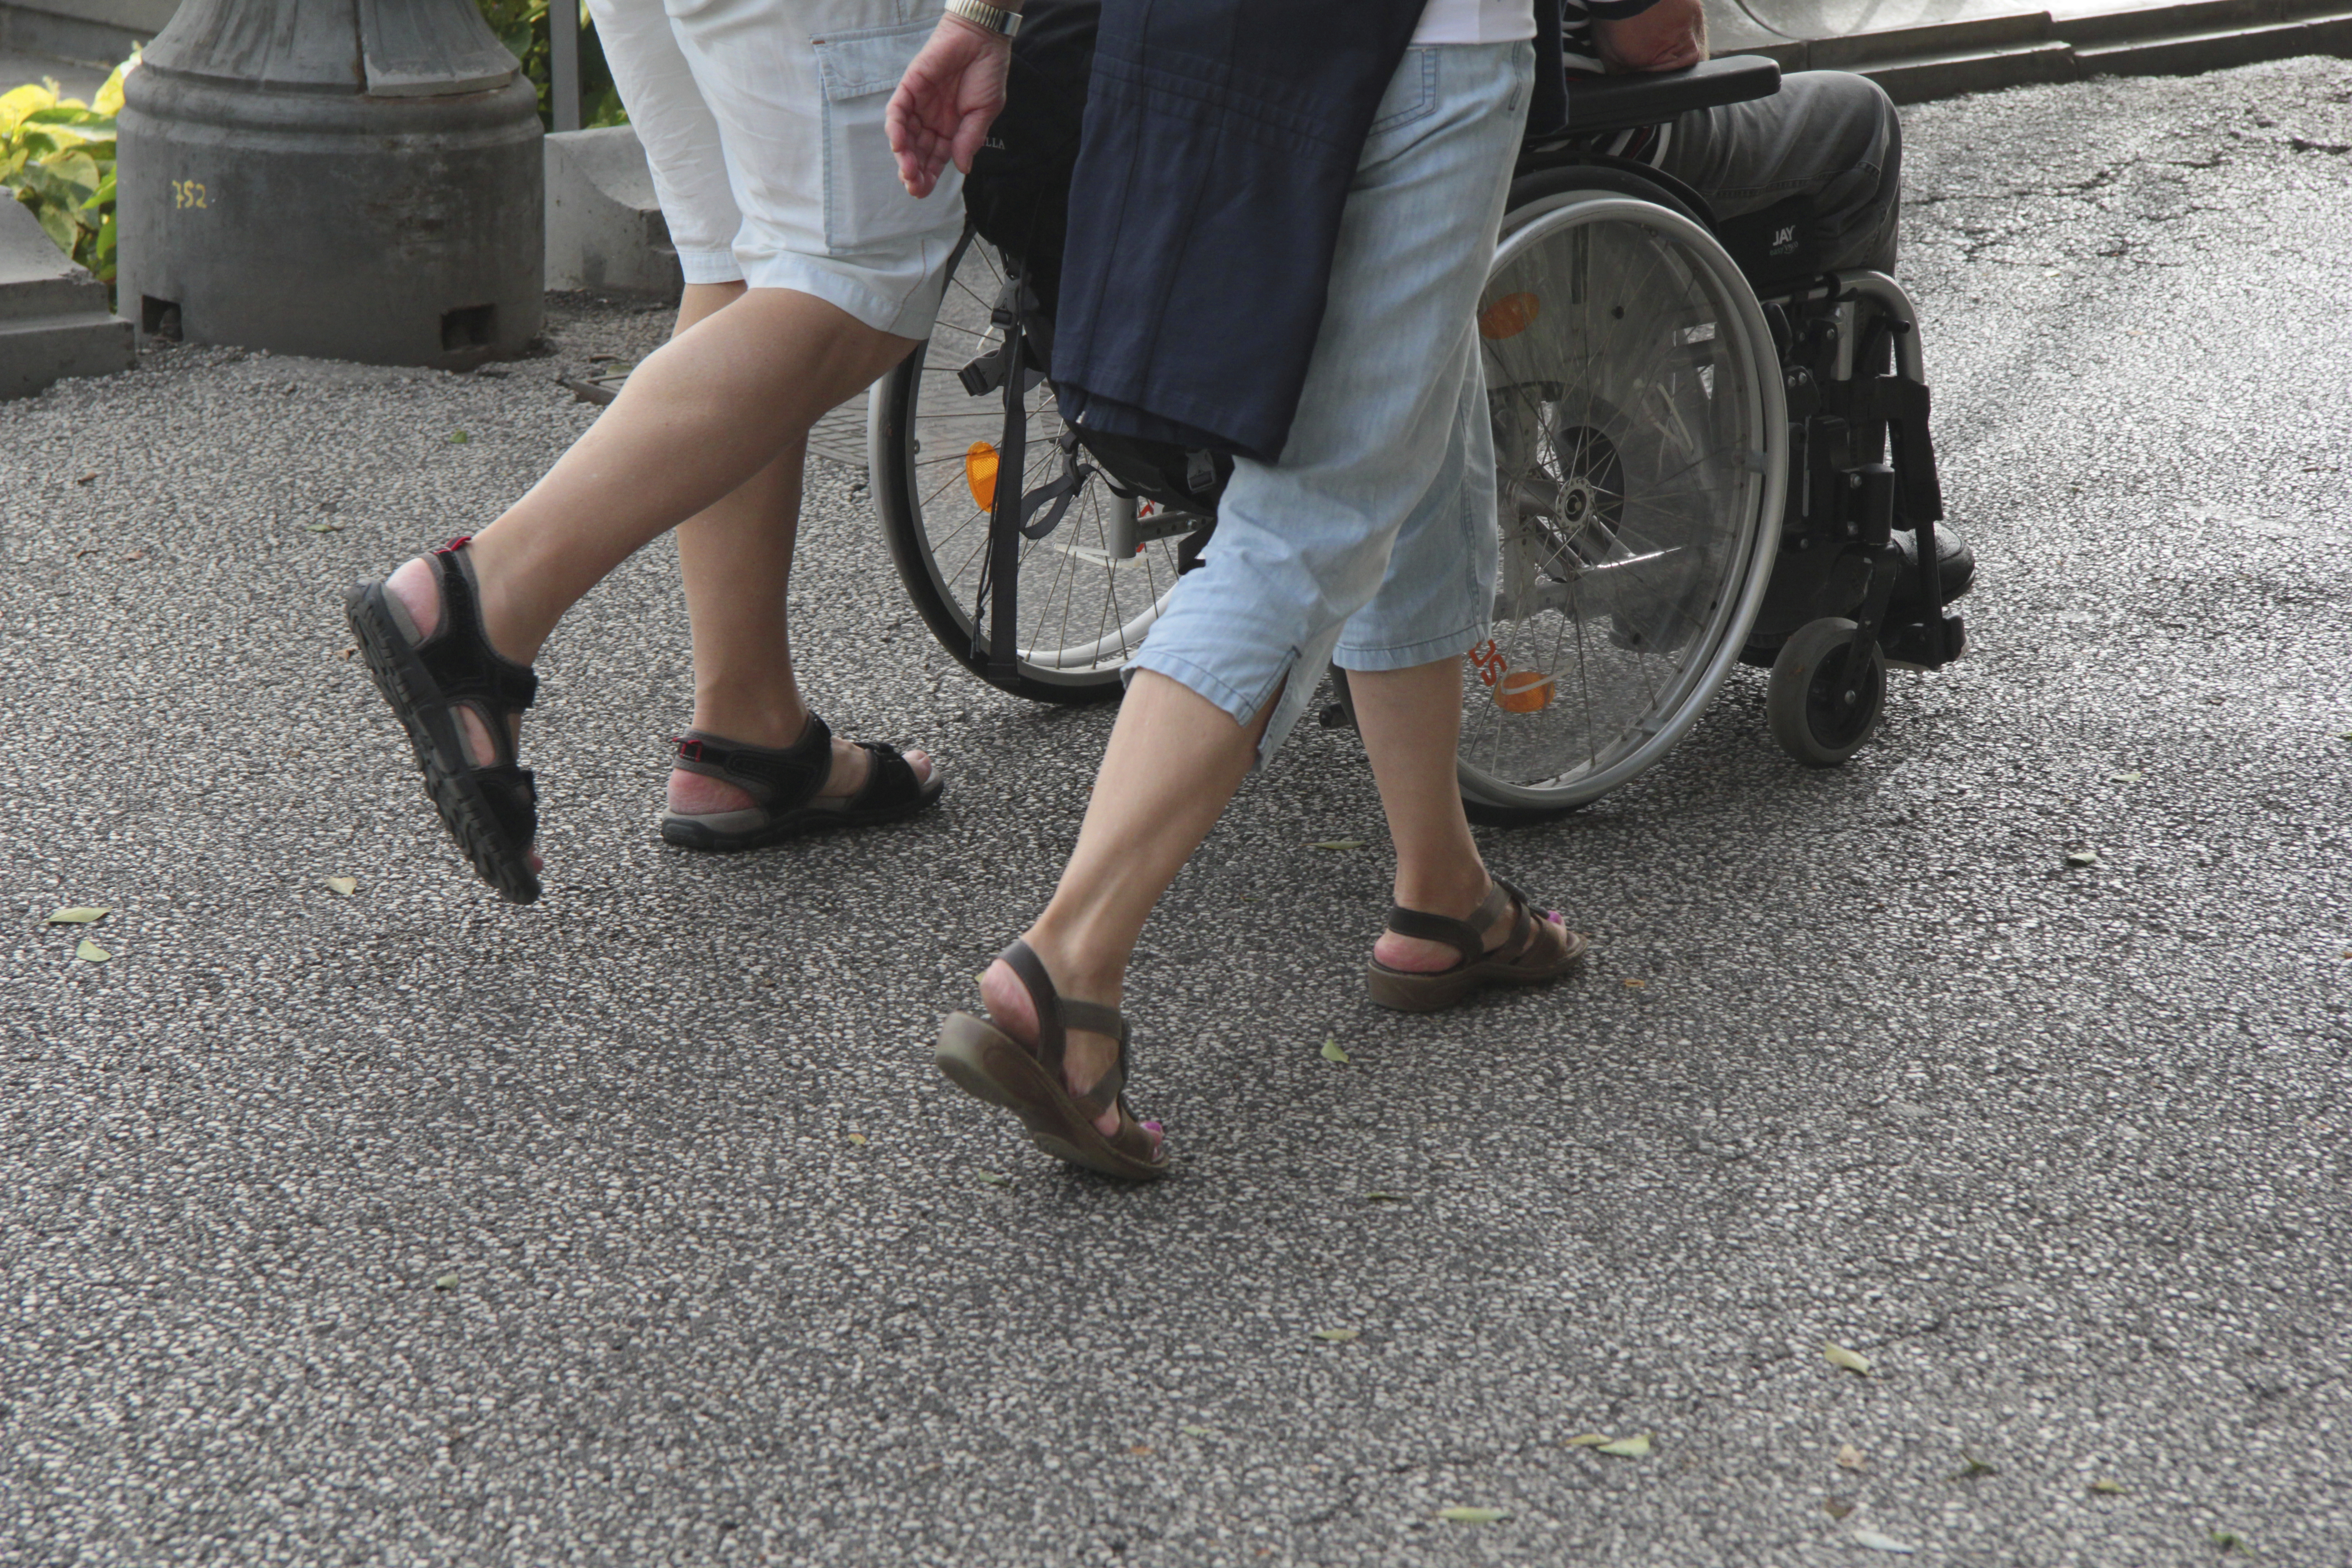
(56, 155)
(521, 27)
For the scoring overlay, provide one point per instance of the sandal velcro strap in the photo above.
(889, 781)
(780, 778)
(459, 655)
(512, 794)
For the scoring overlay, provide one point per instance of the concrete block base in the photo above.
(53, 317)
(605, 228)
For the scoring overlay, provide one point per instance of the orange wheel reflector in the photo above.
(1523, 691)
(980, 473)
(1509, 316)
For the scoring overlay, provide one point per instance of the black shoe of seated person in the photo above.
(1956, 564)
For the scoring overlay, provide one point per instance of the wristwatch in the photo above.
(981, 14)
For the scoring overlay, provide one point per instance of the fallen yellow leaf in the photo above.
(1850, 1456)
(1853, 1360)
(82, 917)
(346, 886)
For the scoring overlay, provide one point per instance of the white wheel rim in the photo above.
(1663, 653)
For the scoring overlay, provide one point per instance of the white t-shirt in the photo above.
(1476, 22)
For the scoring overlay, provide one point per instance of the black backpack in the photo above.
(1018, 197)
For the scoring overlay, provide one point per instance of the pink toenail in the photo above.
(1553, 916)
(1150, 1126)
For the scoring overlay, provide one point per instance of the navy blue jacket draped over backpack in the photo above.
(1169, 174)
(1221, 138)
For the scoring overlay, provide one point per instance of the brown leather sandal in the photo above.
(1517, 960)
(990, 1065)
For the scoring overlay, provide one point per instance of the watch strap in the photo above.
(996, 19)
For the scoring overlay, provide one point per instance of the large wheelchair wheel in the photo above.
(932, 447)
(1641, 455)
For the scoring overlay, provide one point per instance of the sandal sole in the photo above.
(989, 1065)
(687, 834)
(1409, 993)
(464, 810)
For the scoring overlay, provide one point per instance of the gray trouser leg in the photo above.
(1830, 135)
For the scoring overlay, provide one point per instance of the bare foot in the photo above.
(1085, 1057)
(1415, 956)
(698, 795)
(419, 592)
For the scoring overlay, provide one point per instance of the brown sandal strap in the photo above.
(1466, 937)
(1058, 1015)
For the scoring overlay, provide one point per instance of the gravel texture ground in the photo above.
(410, 1228)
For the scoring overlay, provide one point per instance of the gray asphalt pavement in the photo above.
(410, 1228)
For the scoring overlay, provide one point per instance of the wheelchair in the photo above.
(1691, 473)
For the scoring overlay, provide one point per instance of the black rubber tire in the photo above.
(1818, 714)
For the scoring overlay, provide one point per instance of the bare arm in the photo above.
(1670, 36)
(950, 96)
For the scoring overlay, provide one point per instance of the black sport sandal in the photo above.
(492, 811)
(783, 781)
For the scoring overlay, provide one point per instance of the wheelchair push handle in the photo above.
(1621, 102)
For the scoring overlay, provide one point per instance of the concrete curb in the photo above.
(1976, 45)
(53, 322)
(604, 227)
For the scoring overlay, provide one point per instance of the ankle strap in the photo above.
(1056, 1015)
(1466, 937)
(792, 773)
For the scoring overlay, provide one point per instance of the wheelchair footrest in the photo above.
(1925, 644)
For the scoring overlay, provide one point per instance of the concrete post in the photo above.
(349, 179)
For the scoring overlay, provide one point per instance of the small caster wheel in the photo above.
(1820, 708)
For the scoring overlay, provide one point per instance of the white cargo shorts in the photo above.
(763, 123)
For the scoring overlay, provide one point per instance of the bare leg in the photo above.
(1174, 762)
(1411, 721)
(737, 559)
(706, 415)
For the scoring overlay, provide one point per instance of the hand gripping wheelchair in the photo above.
(1689, 476)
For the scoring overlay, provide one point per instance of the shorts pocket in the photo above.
(1411, 93)
(865, 207)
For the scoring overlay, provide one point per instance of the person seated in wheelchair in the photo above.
(1804, 182)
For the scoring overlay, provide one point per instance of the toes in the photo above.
(920, 760)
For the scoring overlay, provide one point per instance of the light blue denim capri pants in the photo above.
(1372, 544)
